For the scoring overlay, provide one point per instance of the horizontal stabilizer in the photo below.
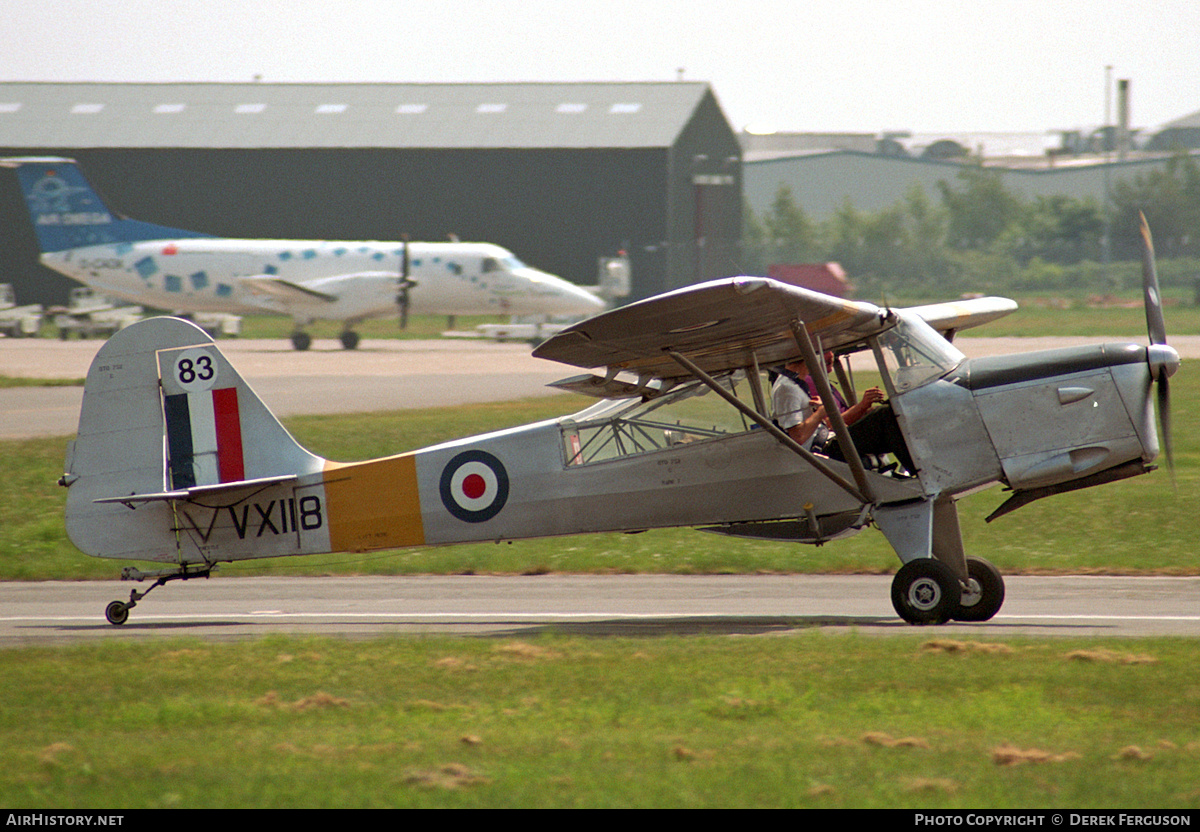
(199, 491)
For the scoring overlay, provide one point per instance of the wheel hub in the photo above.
(924, 594)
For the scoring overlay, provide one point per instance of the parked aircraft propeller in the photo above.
(1163, 359)
(403, 284)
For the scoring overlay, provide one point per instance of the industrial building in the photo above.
(562, 174)
(827, 171)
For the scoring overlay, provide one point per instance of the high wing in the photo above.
(953, 316)
(720, 325)
(734, 323)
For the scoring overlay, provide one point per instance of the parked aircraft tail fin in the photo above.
(166, 418)
(67, 212)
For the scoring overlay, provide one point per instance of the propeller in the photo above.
(1163, 359)
(403, 285)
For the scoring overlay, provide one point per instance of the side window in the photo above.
(689, 413)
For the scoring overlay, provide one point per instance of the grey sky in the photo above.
(854, 65)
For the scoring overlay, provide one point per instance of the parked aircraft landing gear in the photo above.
(117, 612)
(349, 339)
(301, 340)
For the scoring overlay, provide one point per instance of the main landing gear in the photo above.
(301, 340)
(117, 612)
(926, 591)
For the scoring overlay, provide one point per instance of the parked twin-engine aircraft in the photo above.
(177, 460)
(308, 280)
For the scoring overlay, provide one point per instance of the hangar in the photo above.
(560, 173)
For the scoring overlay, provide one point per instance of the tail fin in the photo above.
(166, 417)
(68, 213)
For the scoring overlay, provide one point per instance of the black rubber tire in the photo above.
(984, 594)
(926, 591)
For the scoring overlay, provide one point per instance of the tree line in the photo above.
(976, 235)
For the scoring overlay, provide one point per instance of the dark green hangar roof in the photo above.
(258, 115)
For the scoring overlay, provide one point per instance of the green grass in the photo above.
(812, 720)
(419, 326)
(15, 381)
(1062, 313)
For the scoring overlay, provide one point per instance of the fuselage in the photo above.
(320, 280)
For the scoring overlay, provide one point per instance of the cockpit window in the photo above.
(507, 263)
(913, 354)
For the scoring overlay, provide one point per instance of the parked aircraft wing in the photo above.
(720, 325)
(284, 290)
(954, 316)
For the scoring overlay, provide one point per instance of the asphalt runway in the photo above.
(591, 605)
(380, 375)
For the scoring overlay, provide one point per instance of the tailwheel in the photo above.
(926, 591)
(983, 594)
(117, 613)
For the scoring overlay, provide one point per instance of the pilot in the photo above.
(802, 418)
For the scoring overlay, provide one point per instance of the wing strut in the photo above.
(770, 427)
(816, 368)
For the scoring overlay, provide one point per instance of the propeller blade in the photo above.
(1164, 360)
(1164, 419)
(1151, 297)
(403, 285)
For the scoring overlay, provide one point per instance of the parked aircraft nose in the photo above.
(558, 297)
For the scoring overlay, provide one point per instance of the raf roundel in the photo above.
(474, 486)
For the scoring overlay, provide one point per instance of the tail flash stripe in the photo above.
(230, 461)
(179, 440)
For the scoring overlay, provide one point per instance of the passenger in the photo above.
(795, 410)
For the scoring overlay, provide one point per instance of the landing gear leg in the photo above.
(117, 612)
(938, 582)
